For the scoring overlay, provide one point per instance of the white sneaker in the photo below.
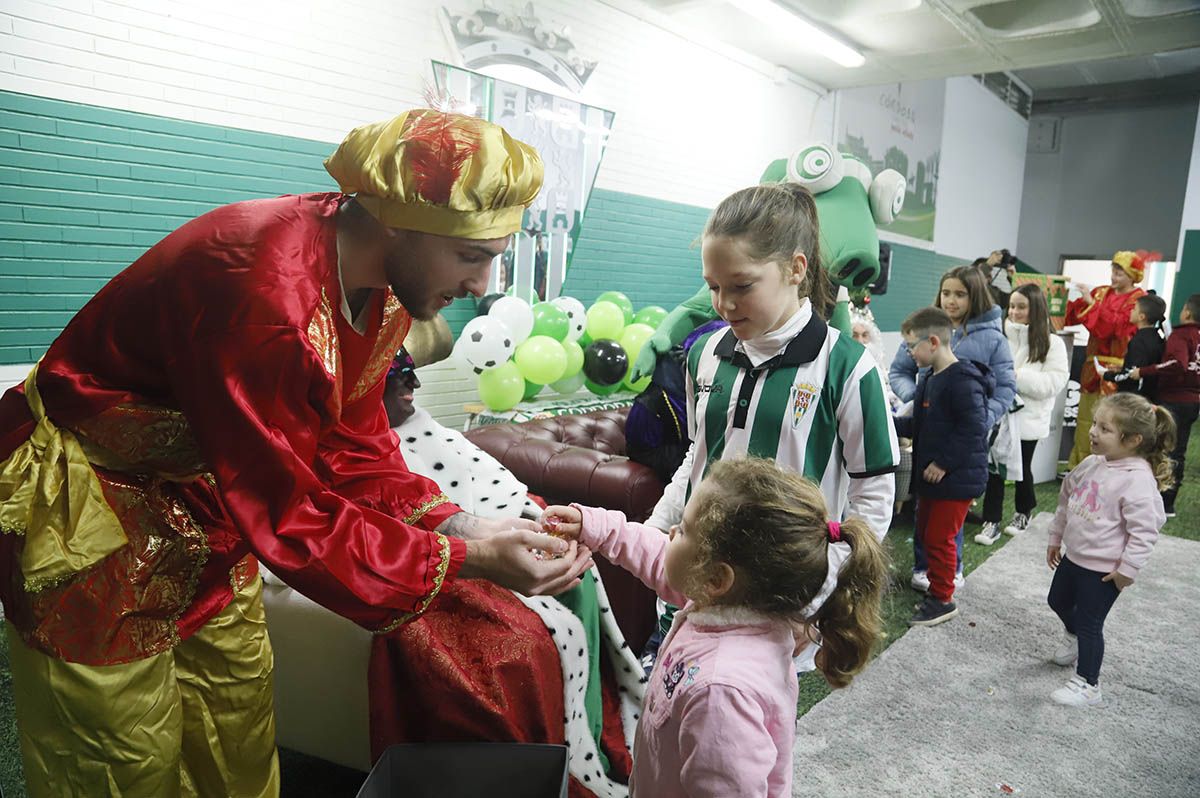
(920, 581)
(1068, 652)
(989, 534)
(959, 581)
(1077, 693)
(1019, 524)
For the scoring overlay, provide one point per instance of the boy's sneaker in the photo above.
(1077, 693)
(1019, 524)
(1068, 652)
(920, 581)
(989, 534)
(932, 612)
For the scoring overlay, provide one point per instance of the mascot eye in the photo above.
(887, 196)
(817, 167)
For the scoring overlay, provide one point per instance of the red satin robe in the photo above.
(1105, 314)
(231, 412)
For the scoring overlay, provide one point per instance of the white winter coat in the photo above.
(1038, 384)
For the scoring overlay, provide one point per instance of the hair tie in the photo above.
(835, 531)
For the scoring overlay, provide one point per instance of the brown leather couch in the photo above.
(582, 459)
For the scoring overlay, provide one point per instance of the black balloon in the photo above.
(605, 362)
(485, 303)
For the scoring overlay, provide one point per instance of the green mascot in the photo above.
(850, 203)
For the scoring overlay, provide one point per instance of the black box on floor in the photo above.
(458, 770)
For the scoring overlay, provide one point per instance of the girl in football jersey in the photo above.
(780, 383)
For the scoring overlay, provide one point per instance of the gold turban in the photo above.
(441, 173)
(1131, 263)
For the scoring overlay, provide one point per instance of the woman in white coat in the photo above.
(1040, 360)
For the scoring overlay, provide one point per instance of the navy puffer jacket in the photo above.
(949, 426)
(981, 339)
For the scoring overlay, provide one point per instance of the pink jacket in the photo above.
(719, 718)
(1109, 515)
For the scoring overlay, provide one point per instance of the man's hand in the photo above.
(933, 473)
(1121, 580)
(1135, 373)
(562, 522)
(1053, 556)
(508, 559)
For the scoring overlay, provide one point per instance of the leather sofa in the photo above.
(582, 459)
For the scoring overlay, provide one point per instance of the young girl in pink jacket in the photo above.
(749, 565)
(1108, 519)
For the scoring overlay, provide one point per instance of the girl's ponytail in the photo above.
(850, 621)
(1159, 456)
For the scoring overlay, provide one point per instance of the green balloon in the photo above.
(574, 359)
(605, 320)
(651, 315)
(584, 339)
(621, 301)
(600, 390)
(502, 387)
(541, 359)
(532, 389)
(550, 320)
(633, 338)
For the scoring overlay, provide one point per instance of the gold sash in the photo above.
(50, 494)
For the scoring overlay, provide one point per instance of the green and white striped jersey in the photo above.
(818, 407)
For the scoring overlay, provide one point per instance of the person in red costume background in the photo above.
(1105, 311)
(219, 402)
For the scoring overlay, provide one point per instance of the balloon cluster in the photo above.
(517, 349)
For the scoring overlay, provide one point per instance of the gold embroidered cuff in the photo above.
(439, 578)
(419, 513)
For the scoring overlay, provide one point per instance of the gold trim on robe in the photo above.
(392, 330)
(439, 579)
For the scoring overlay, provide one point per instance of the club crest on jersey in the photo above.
(803, 395)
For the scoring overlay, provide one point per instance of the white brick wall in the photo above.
(694, 121)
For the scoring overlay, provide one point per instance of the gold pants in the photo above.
(197, 720)
(1083, 425)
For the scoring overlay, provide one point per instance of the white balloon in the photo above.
(485, 343)
(515, 314)
(576, 316)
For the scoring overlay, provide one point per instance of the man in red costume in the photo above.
(219, 402)
(1105, 312)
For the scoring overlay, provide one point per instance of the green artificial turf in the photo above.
(301, 773)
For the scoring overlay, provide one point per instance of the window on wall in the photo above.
(1092, 272)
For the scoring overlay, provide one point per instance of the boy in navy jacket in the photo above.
(949, 428)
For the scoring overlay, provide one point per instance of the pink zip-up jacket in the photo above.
(1109, 515)
(719, 718)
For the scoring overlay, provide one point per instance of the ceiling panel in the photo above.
(907, 39)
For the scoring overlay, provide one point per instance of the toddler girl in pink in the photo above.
(1109, 516)
(749, 565)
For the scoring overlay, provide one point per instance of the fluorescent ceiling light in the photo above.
(804, 32)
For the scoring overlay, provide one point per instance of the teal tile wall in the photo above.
(84, 190)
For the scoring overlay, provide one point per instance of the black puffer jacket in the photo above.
(949, 427)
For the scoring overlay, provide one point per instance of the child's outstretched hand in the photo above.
(562, 522)
(1053, 556)
(1120, 580)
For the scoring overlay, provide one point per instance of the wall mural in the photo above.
(898, 127)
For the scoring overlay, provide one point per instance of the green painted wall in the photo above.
(84, 190)
(1187, 278)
